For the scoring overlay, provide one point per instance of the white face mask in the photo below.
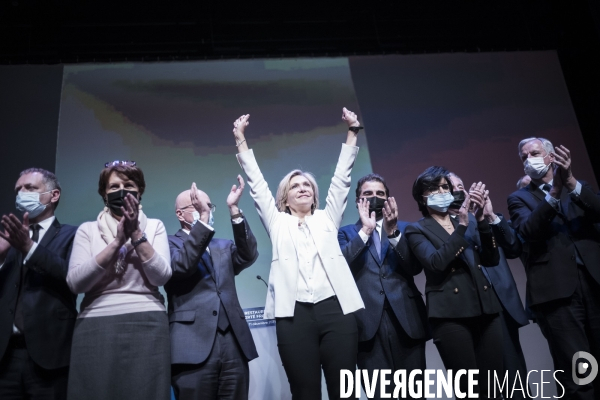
(535, 167)
(196, 216)
(440, 202)
(30, 202)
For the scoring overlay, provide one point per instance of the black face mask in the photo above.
(376, 204)
(114, 200)
(459, 198)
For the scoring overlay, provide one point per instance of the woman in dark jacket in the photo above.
(461, 306)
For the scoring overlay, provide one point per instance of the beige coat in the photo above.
(283, 231)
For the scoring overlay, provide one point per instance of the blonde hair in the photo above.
(284, 189)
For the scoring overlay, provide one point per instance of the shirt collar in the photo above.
(45, 224)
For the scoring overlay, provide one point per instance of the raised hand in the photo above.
(367, 219)
(16, 232)
(235, 195)
(488, 210)
(130, 210)
(463, 211)
(239, 126)
(390, 216)
(562, 158)
(477, 194)
(350, 118)
(200, 204)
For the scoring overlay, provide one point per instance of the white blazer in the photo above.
(283, 231)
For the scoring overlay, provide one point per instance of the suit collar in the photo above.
(436, 228)
(385, 243)
(53, 230)
(536, 191)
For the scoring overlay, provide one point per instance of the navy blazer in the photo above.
(391, 277)
(501, 277)
(196, 289)
(554, 238)
(49, 307)
(456, 285)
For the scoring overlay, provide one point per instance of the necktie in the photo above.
(19, 323)
(546, 187)
(376, 242)
(35, 232)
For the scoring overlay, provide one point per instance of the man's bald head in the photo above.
(184, 208)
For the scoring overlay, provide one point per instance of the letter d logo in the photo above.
(583, 367)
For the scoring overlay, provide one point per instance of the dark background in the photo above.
(47, 33)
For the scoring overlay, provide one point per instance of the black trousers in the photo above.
(571, 325)
(513, 358)
(21, 378)
(391, 348)
(471, 343)
(223, 375)
(317, 336)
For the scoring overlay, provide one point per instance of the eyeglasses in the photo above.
(211, 206)
(117, 162)
(438, 189)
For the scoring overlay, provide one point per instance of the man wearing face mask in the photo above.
(513, 315)
(393, 326)
(555, 214)
(37, 309)
(211, 343)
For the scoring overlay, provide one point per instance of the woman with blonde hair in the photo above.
(311, 290)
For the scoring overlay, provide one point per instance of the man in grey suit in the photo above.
(211, 343)
(393, 328)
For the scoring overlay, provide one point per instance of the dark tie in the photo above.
(223, 321)
(546, 187)
(19, 323)
(376, 242)
(35, 232)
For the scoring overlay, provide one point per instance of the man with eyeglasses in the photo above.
(211, 343)
(37, 309)
(556, 215)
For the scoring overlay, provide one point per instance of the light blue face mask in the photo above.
(30, 202)
(440, 202)
(196, 216)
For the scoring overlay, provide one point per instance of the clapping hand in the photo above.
(130, 220)
(562, 159)
(477, 195)
(200, 204)
(16, 233)
(367, 219)
(390, 216)
(235, 195)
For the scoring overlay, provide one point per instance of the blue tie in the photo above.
(376, 242)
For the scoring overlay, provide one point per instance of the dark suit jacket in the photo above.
(392, 276)
(553, 238)
(501, 277)
(196, 289)
(456, 285)
(47, 303)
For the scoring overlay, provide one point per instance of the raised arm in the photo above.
(259, 189)
(337, 196)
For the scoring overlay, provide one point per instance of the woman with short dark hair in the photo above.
(462, 308)
(121, 347)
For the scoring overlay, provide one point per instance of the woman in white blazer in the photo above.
(311, 290)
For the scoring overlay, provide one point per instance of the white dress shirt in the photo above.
(313, 283)
(379, 228)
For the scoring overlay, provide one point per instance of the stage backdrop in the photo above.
(464, 111)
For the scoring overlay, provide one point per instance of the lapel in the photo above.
(536, 191)
(52, 232)
(435, 228)
(213, 259)
(205, 259)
